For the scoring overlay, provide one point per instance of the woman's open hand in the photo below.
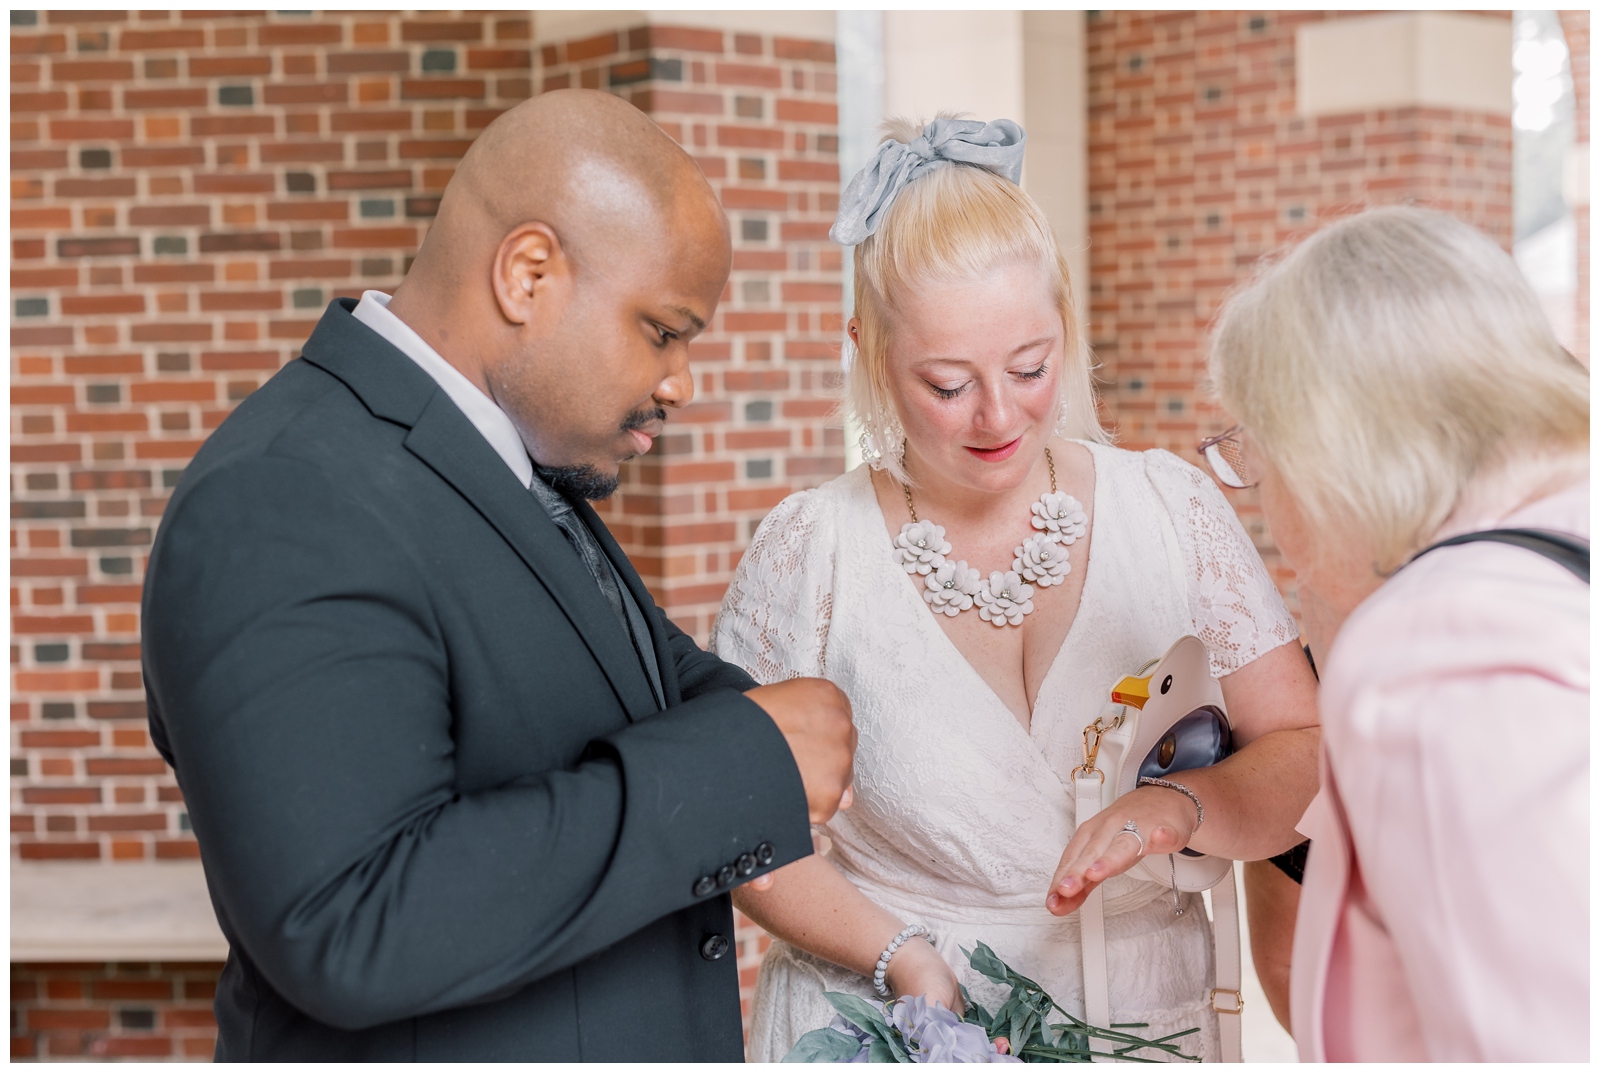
(918, 969)
(1100, 848)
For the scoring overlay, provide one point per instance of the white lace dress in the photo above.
(961, 814)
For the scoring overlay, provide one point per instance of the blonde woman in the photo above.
(973, 675)
(1399, 387)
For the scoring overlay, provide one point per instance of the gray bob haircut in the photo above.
(1384, 363)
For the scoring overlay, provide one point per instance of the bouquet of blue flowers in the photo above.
(916, 1030)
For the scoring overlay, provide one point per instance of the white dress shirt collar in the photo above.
(486, 417)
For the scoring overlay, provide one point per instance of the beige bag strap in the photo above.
(1226, 997)
(1092, 918)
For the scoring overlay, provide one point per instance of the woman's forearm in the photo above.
(812, 906)
(1254, 798)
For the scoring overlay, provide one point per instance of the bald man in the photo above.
(461, 791)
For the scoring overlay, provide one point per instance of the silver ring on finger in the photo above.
(1132, 828)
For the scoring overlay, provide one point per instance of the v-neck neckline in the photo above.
(926, 614)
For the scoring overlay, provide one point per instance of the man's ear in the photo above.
(528, 267)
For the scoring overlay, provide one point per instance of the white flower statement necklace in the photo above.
(1002, 599)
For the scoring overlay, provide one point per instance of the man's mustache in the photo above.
(639, 419)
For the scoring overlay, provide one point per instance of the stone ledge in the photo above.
(1418, 59)
(554, 25)
(113, 912)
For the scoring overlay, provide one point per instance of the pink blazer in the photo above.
(1445, 910)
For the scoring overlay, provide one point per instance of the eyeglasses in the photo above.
(1225, 455)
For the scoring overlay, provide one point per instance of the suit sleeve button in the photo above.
(725, 876)
(745, 864)
(714, 947)
(765, 853)
(703, 886)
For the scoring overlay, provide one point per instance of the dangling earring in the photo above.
(869, 450)
(1064, 427)
(882, 438)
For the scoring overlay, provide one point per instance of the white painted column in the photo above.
(953, 61)
(1055, 112)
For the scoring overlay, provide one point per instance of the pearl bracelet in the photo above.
(1199, 809)
(878, 974)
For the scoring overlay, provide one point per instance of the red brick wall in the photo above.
(1198, 166)
(1575, 25)
(759, 114)
(137, 1010)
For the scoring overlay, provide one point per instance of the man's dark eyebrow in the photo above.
(699, 325)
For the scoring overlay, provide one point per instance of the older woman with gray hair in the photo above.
(1421, 443)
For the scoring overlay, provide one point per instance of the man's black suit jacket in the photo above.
(440, 814)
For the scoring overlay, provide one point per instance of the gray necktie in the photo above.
(623, 605)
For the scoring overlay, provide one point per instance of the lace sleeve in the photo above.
(1235, 608)
(774, 619)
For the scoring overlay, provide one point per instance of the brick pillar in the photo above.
(1199, 165)
(1575, 25)
(758, 113)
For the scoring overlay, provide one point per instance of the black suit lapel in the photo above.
(641, 595)
(395, 388)
(445, 440)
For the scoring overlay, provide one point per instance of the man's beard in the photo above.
(580, 482)
(587, 482)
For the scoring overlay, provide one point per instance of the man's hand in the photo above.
(814, 716)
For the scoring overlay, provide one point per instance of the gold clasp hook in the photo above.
(1131, 690)
(1091, 746)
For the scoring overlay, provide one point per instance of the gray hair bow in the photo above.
(997, 146)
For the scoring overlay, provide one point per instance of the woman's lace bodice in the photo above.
(961, 813)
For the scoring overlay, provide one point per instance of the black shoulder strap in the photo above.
(1563, 548)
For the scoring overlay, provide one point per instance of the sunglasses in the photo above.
(1225, 455)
